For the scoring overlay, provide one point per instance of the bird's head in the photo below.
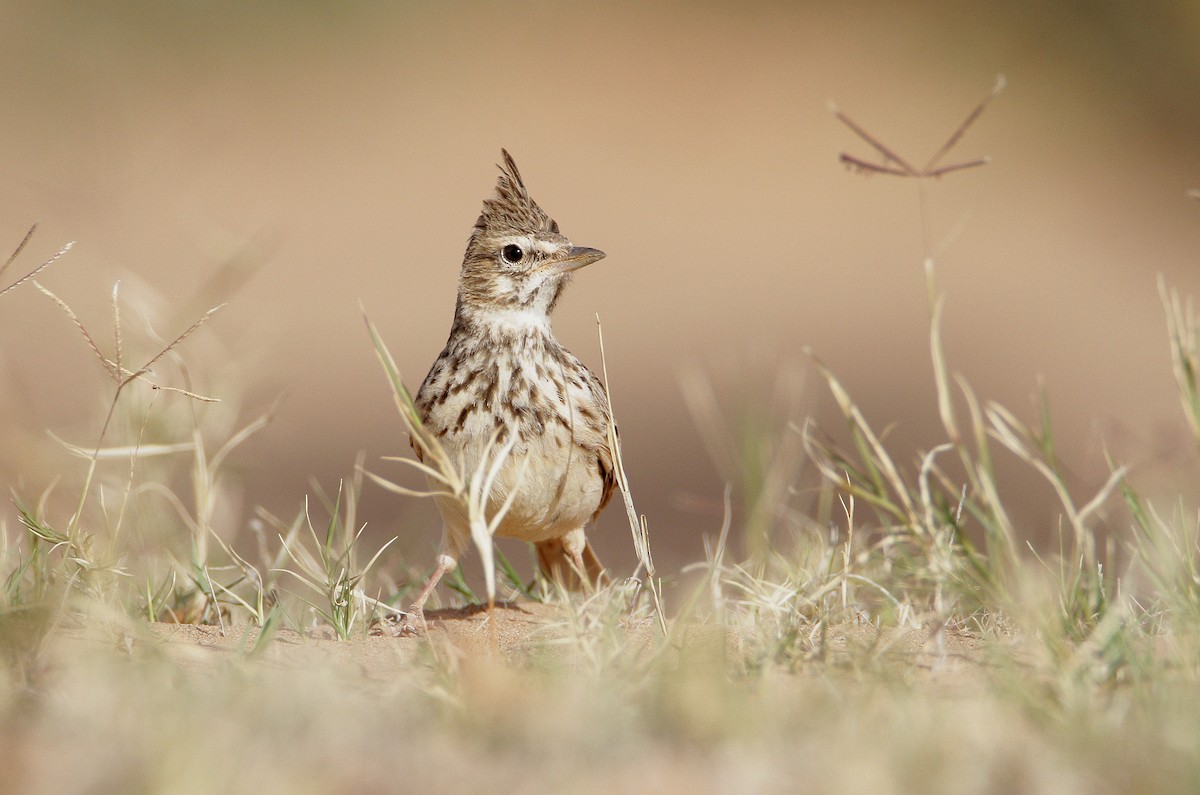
(517, 260)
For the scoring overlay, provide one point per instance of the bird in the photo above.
(504, 380)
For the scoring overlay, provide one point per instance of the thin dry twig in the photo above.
(902, 168)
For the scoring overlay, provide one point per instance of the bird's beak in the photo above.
(577, 257)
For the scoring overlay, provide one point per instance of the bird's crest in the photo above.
(512, 210)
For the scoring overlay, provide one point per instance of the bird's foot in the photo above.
(410, 624)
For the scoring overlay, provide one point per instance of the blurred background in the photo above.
(296, 158)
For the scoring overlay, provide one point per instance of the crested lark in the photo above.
(503, 376)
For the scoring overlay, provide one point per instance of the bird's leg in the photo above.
(574, 543)
(577, 562)
(451, 550)
(414, 621)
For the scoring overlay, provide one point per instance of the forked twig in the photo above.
(902, 168)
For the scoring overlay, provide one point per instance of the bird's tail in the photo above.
(556, 565)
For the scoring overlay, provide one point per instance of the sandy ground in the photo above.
(517, 629)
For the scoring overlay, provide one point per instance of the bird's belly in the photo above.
(553, 496)
(557, 485)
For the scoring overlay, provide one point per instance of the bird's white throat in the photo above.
(511, 319)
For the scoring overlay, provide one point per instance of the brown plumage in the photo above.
(503, 376)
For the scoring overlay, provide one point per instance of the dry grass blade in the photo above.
(637, 525)
(124, 451)
(70, 313)
(20, 247)
(1182, 332)
(614, 441)
(443, 465)
(875, 454)
(478, 499)
(1019, 440)
(141, 375)
(405, 491)
(118, 348)
(257, 424)
(189, 331)
(940, 374)
(36, 270)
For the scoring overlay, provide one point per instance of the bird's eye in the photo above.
(512, 253)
